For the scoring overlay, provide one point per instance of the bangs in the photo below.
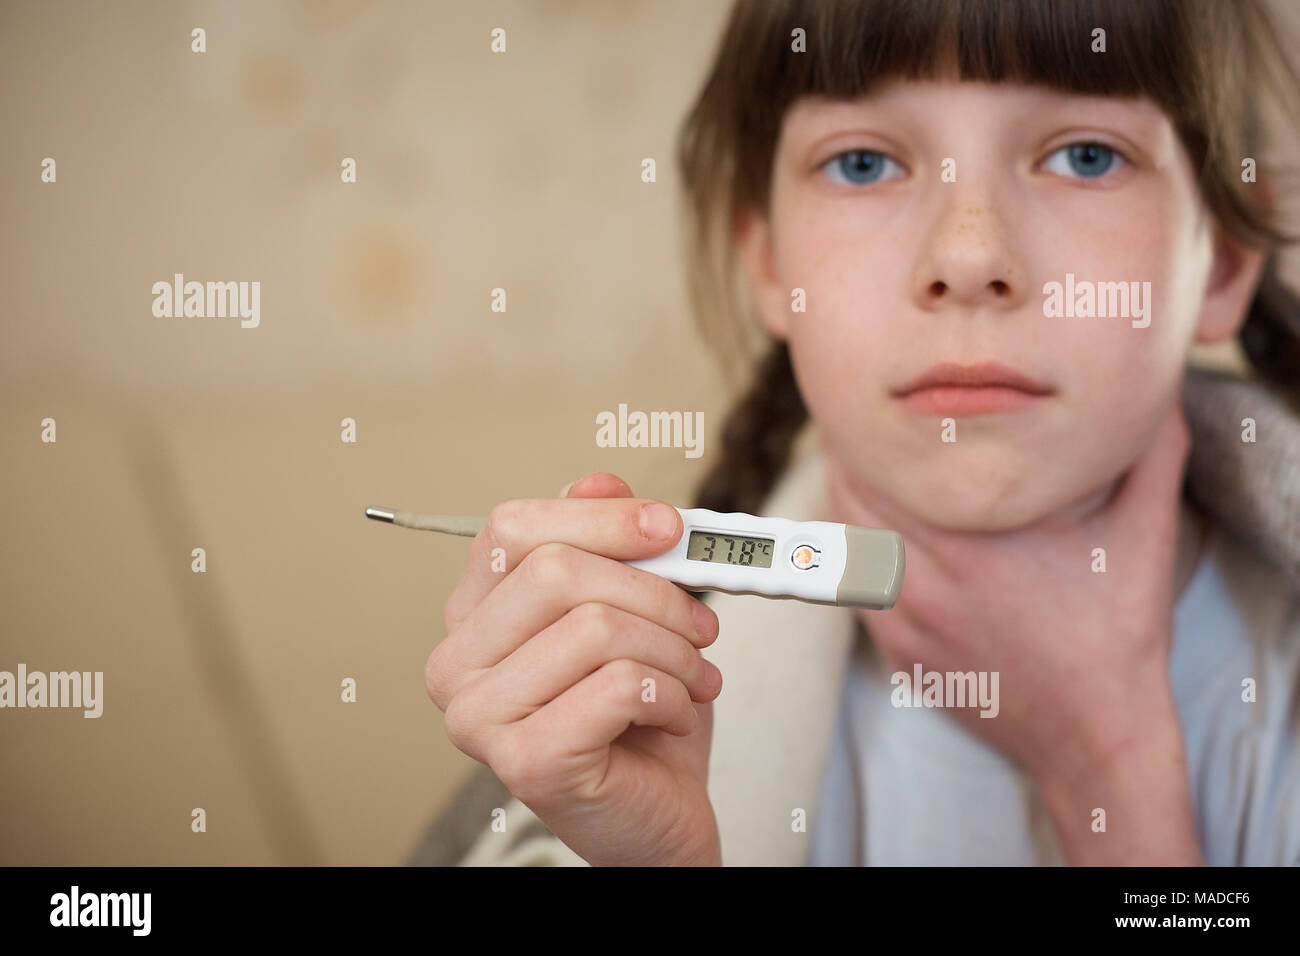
(1149, 45)
(1182, 54)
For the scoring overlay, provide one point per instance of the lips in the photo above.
(952, 389)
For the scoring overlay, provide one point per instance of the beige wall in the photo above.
(222, 690)
(521, 171)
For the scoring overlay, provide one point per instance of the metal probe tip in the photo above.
(380, 514)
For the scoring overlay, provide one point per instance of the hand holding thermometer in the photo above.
(820, 562)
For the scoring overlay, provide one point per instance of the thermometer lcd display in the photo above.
(719, 548)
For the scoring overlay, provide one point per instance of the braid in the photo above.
(757, 438)
(1270, 336)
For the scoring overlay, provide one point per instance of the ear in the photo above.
(753, 237)
(1234, 274)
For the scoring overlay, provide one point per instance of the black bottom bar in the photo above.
(581, 904)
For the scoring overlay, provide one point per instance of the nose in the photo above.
(968, 261)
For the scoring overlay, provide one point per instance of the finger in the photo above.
(620, 528)
(1155, 481)
(584, 640)
(535, 757)
(597, 485)
(552, 580)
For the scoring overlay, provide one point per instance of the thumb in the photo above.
(1156, 478)
(597, 485)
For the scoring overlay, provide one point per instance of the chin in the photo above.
(972, 512)
(955, 502)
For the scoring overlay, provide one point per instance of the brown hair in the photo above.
(1204, 62)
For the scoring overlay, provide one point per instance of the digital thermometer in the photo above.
(820, 562)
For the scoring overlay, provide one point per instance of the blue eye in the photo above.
(859, 167)
(1088, 160)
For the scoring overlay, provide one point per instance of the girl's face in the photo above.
(922, 223)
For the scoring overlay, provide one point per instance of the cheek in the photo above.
(843, 347)
(1110, 370)
(834, 368)
(1105, 361)
(850, 251)
(853, 276)
(1117, 383)
(1151, 235)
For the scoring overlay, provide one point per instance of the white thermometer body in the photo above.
(821, 562)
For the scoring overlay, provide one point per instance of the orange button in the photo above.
(804, 557)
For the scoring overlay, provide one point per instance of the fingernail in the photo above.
(565, 490)
(658, 520)
(706, 622)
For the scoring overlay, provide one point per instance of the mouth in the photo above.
(952, 389)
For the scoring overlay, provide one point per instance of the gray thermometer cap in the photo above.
(873, 568)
